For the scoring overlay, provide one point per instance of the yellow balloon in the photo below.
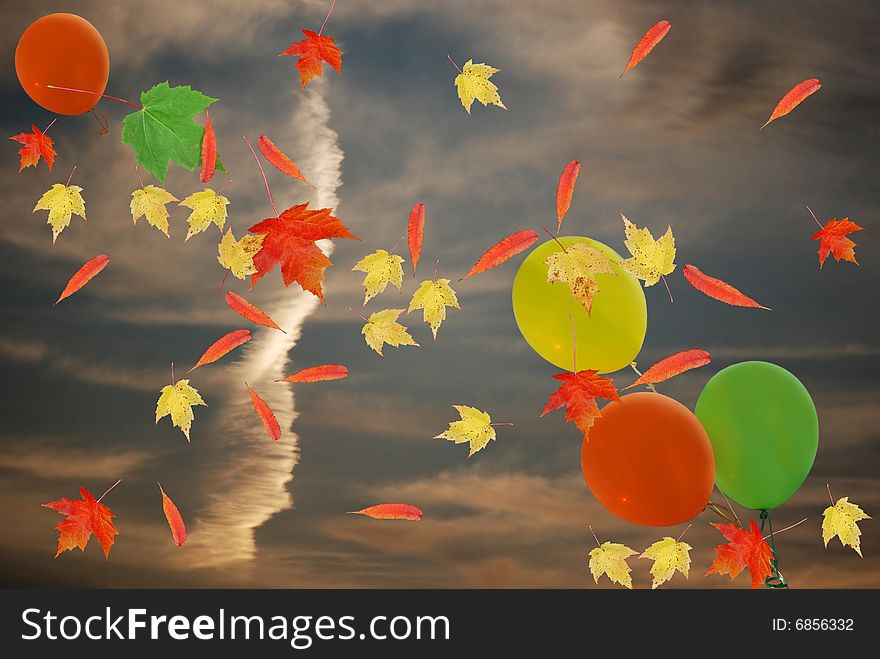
(607, 340)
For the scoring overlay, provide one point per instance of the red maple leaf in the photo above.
(83, 517)
(290, 242)
(313, 50)
(36, 144)
(832, 240)
(578, 393)
(746, 549)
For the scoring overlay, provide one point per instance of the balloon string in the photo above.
(776, 580)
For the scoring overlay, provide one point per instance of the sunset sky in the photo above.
(674, 142)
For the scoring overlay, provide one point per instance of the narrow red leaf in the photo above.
(794, 98)
(279, 159)
(503, 250)
(416, 233)
(247, 310)
(223, 346)
(84, 275)
(673, 365)
(404, 511)
(267, 416)
(717, 289)
(209, 152)
(565, 189)
(646, 43)
(175, 520)
(318, 374)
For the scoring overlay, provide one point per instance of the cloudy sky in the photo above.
(674, 142)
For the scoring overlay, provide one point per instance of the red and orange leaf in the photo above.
(565, 190)
(832, 240)
(717, 289)
(279, 160)
(267, 416)
(404, 511)
(175, 520)
(84, 275)
(247, 310)
(318, 374)
(415, 233)
(646, 43)
(83, 517)
(578, 393)
(223, 346)
(672, 366)
(36, 144)
(745, 549)
(209, 151)
(503, 250)
(312, 51)
(291, 243)
(794, 98)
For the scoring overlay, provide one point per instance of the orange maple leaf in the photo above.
(746, 549)
(83, 517)
(290, 242)
(36, 144)
(832, 240)
(578, 393)
(313, 50)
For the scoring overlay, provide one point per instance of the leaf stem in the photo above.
(730, 507)
(399, 240)
(70, 178)
(109, 489)
(549, 233)
(715, 508)
(262, 171)
(666, 283)
(358, 315)
(590, 526)
(453, 62)
(786, 528)
(814, 216)
(225, 186)
(830, 496)
(173, 381)
(501, 423)
(140, 180)
(321, 31)
(86, 91)
(224, 280)
(436, 265)
(650, 385)
(683, 532)
(46, 130)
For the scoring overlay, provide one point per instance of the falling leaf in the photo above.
(565, 190)
(313, 50)
(61, 201)
(267, 416)
(175, 520)
(208, 208)
(475, 428)
(382, 327)
(578, 393)
(668, 555)
(209, 152)
(163, 129)
(382, 268)
(794, 98)
(671, 366)
(504, 249)
(84, 275)
(717, 289)
(415, 232)
(609, 559)
(433, 297)
(150, 202)
(83, 517)
(247, 310)
(578, 266)
(36, 145)
(223, 346)
(832, 240)
(646, 43)
(237, 256)
(178, 400)
(651, 259)
(841, 520)
(745, 549)
(404, 511)
(473, 84)
(318, 374)
(279, 159)
(290, 243)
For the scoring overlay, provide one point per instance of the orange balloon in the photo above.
(649, 460)
(64, 50)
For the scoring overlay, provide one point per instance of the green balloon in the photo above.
(764, 431)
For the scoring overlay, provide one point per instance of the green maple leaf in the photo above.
(164, 130)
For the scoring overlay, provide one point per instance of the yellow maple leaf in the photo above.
(382, 327)
(382, 268)
(668, 555)
(578, 266)
(207, 207)
(237, 256)
(150, 203)
(609, 558)
(651, 259)
(840, 520)
(473, 84)
(178, 400)
(62, 201)
(433, 297)
(475, 428)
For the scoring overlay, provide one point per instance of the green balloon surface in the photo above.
(607, 340)
(764, 431)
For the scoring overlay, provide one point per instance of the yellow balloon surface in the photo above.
(607, 340)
